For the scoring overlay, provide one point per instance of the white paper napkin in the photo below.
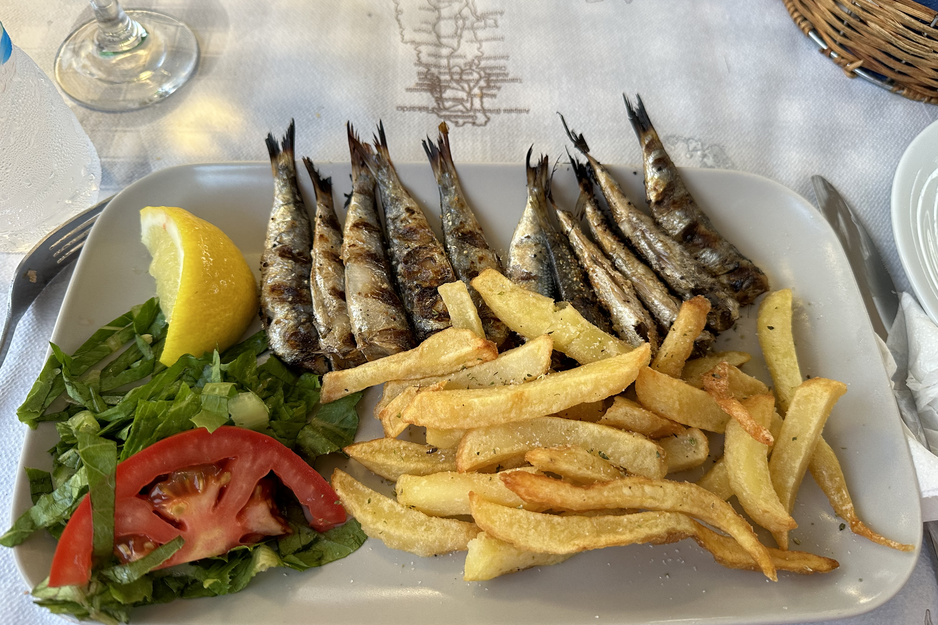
(912, 361)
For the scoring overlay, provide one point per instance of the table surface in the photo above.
(729, 84)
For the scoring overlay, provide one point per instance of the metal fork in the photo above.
(47, 258)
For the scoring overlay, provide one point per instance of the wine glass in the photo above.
(125, 60)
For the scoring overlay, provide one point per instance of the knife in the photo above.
(876, 287)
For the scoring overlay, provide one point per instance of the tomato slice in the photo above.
(208, 488)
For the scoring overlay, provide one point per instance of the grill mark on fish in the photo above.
(327, 279)
(418, 259)
(463, 239)
(671, 262)
(630, 320)
(286, 309)
(377, 316)
(678, 214)
(528, 255)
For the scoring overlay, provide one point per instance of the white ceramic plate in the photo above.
(638, 584)
(915, 216)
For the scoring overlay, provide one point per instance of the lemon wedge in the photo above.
(207, 290)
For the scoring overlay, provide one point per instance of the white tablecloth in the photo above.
(728, 83)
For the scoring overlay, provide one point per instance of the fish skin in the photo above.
(327, 279)
(377, 316)
(418, 260)
(286, 309)
(677, 213)
(572, 281)
(630, 320)
(669, 260)
(529, 263)
(463, 239)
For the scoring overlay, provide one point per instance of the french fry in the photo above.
(678, 401)
(462, 312)
(717, 480)
(571, 462)
(825, 468)
(726, 380)
(399, 527)
(472, 408)
(748, 469)
(500, 444)
(679, 342)
(521, 364)
(531, 315)
(490, 557)
(773, 327)
(640, 492)
(444, 438)
(686, 450)
(570, 534)
(447, 493)
(626, 414)
(391, 458)
(444, 352)
(695, 367)
(810, 407)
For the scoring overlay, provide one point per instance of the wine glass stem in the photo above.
(116, 31)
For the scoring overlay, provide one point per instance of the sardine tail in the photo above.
(578, 141)
(289, 139)
(434, 156)
(381, 142)
(322, 186)
(361, 153)
(638, 116)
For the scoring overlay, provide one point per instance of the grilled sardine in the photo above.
(463, 238)
(418, 259)
(376, 313)
(327, 279)
(529, 263)
(676, 212)
(286, 302)
(673, 264)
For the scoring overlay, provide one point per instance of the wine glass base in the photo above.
(162, 62)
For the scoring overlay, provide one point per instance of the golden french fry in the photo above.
(531, 315)
(391, 458)
(728, 552)
(570, 534)
(748, 469)
(447, 493)
(695, 367)
(446, 351)
(810, 407)
(490, 557)
(571, 462)
(679, 342)
(686, 450)
(444, 438)
(678, 401)
(640, 492)
(462, 312)
(500, 444)
(725, 381)
(399, 527)
(717, 480)
(735, 408)
(773, 327)
(626, 414)
(472, 408)
(521, 364)
(825, 468)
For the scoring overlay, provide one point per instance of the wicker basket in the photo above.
(892, 43)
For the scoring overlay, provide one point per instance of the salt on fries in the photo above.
(548, 464)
